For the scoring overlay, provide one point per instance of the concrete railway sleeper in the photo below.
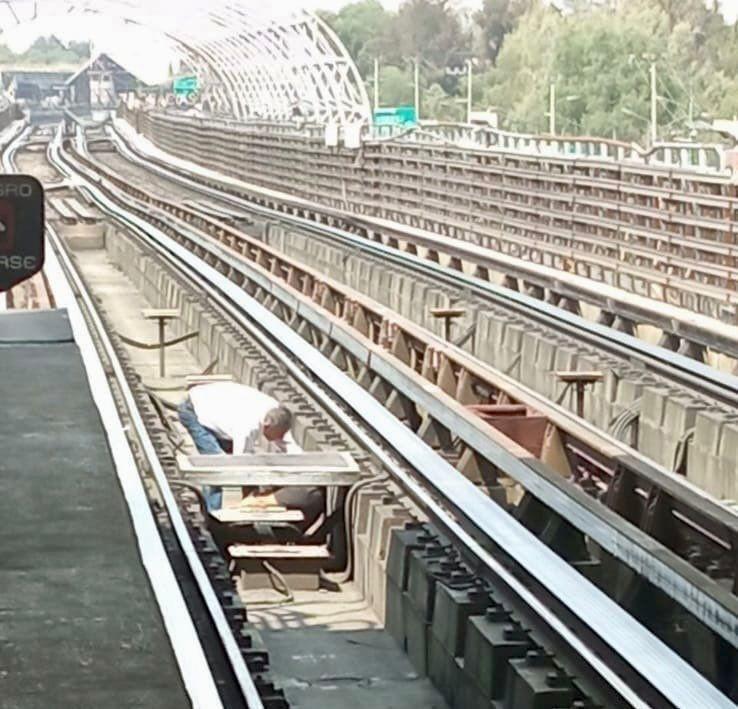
(503, 451)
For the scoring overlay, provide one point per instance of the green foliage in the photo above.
(364, 29)
(597, 53)
(397, 88)
(437, 104)
(430, 30)
(47, 51)
(494, 21)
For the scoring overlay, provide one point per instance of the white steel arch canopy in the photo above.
(254, 59)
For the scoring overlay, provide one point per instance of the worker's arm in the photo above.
(244, 433)
(286, 445)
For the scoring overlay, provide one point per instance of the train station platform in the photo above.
(79, 622)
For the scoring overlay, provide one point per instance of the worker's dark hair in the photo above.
(279, 417)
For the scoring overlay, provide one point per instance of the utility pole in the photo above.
(417, 90)
(654, 117)
(376, 84)
(469, 91)
(552, 109)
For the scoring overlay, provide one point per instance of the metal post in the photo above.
(376, 84)
(580, 398)
(162, 369)
(552, 109)
(469, 91)
(654, 117)
(417, 90)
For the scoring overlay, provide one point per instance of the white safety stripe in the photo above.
(193, 665)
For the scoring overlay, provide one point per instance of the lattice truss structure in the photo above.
(254, 59)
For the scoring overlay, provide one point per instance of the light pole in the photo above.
(417, 88)
(376, 83)
(654, 117)
(552, 107)
(469, 65)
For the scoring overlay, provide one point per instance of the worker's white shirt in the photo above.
(235, 412)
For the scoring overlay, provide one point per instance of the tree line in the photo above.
(597, 53)
(46, 52)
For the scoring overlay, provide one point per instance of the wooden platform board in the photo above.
(278, 551)
(282, 469)
(245, 515)
(164, 313)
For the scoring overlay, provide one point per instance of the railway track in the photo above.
(665, 230)
(606, 470)
(474, 521)
(681, 411)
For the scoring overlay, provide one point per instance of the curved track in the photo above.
(628, 664)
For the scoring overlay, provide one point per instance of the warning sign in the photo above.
(21, 229)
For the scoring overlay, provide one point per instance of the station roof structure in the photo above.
(254, 59)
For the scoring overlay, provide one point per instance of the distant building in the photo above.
(34, 85)
(99, 84)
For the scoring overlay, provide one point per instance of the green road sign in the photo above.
(185, 85)
(396, 116)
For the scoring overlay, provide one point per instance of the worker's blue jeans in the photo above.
(206, 443)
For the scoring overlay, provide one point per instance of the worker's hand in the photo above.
(259, 501)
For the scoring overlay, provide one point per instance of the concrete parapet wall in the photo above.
(658, 233)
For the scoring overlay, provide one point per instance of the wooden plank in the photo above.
(447, 312)
(584, 377)
(242, 478)
(154, 313)
(315, 461)
(278, 551)
(246, 515)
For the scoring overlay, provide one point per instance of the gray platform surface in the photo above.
(79, 626)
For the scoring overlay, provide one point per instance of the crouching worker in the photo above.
(225, 417)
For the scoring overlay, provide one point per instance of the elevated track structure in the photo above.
(522, 538)
(679, 411)
(392, 358)
(571, 230)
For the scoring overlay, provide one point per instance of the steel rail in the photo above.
(679, 368)
(62, 264)
(706, 599)
(644, 655)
